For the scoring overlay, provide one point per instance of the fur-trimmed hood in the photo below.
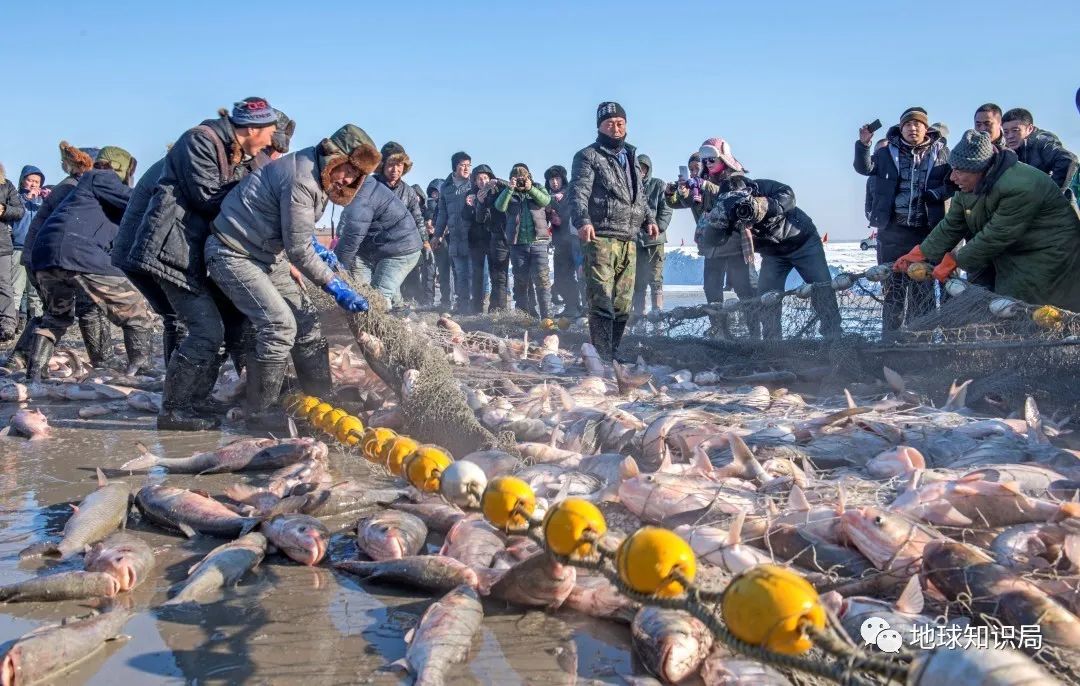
(3, 173)
(394, 152)
(73, 160)
(556, 171)
(350, 144)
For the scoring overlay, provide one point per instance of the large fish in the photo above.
(656, 497)
(301, 537)
(128, 559)
(391, 535)
(972, 501)
(99, 514)
(426, 572)
(443, 636)
(32, 424)
(474, 542)
(890, 540)
(348, 497)
(250, 454)
(223, 566)
(189, 512)
(438, 516)
(724, 549)
(62, 586)
(47, 651)
(594, 596)
(976, 667)
(671, 643)
(539, 581)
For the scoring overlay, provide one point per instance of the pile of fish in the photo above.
(890, 507)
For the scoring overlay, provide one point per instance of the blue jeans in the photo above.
(281, 314)
(809, 261)
(530, 263)
(385, 275)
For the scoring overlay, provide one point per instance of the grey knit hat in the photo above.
(973, 152)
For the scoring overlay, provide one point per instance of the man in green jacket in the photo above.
(529, 237)
(1013, 217)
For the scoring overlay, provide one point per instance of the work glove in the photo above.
(902, 264)
(326, 254)
(346, 298)
(946, 268)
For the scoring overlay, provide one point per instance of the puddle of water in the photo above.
(284, 624)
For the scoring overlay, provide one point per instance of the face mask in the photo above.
(610, 143)
(717, 167)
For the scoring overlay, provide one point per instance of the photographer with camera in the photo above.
(728, 264)
(910, 188)
(765, 212)
(529, 237)
(478, 213)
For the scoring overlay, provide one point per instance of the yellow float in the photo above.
(569, 523)
(770, 606)
(648, 559)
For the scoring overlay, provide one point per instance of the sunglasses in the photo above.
(708, 160)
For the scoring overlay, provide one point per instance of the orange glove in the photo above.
(948, 265)
(906, 261)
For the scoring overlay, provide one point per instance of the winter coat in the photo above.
(710, 189)
(31, 207)
(271, 214)
(375, 225)
(891, 198)
(600, 195)
(407, 195)
(474, 216)
(561, 226)
(654, 197)
(1044, 151)
(515, 204)
(13, 211)
(200, 169)
(56, 196)
(79, 234)
(1018, 221)
(782, 230)
(133, 216)
(449, 224)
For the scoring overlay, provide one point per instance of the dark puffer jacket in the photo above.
(200, 170)
(79, 234)
(654, 197)
(407, 195)
(475, 216)
(891, 168)
(56, 196)
(600, 195)
(375, 225)
(784, 228)
(1044, 151)
(559, 221)
(12, 213)
(133, 216)
(449, 224)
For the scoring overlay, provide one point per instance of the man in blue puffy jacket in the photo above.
(265, 229)
(71, 254)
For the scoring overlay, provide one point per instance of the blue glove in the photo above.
(345, 297)
(326, 254)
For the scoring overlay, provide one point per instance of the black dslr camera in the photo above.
(744, 209)
(519, 183)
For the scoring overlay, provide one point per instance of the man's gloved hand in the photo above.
(948, 265)
(902, 264)
(345, 297)
(326, 254)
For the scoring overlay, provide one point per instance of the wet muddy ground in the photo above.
(285, 624)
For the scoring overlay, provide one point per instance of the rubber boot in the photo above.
(177, 414)
(600, 330)
(657, 303)
(20, 354)
(96, 334)
(617, 328)
(41, 350)
(202, 403)
(263, 411)
(138, 343)
(312, 363)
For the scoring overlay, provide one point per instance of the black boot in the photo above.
(20, 354)
(618, 326)
(202, 404)
(41, 350)
(312, 364)
(97, 335)
(140, 348)
(177, 414)
(600, 330)
(263, 411)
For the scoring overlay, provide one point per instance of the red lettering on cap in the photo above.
(257, 105)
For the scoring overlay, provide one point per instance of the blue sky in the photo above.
(788, 84)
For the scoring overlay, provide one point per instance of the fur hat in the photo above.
(555, 170)
(720, 149)
(349, 144)
(393, 152)
(73, 160)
